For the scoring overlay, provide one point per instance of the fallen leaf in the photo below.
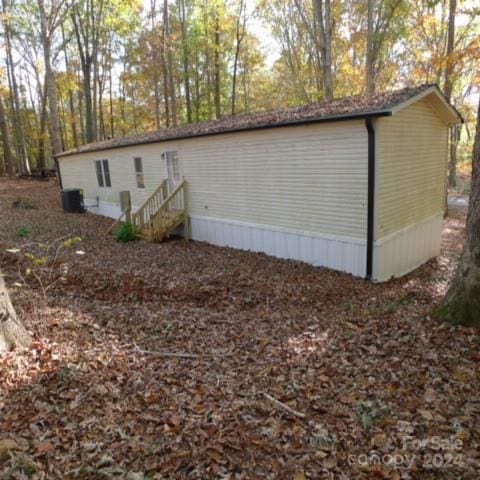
(44, 447)
(8, 444)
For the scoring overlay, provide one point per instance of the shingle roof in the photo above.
(376, 104)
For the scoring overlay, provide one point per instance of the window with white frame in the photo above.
(138, 166)
(103, 173)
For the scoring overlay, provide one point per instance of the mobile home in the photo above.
(355, 184)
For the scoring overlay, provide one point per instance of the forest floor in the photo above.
(185, 360)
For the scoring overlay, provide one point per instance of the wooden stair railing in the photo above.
(169, 215)
(141, 218)
(160, 214)
(117, 221)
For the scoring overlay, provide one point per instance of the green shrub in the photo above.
(125, 233)
(23, 232)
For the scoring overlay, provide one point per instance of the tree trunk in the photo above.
(218, 108)
(110, 94)
(186, 63)
(156, 87)
(447, 90)
(455, 132)
(19, 137)
(43, 128)
(171, 83)
(73, 121)
(197, 86)
(123, 100)
(323, 15)
(448, 86)
(12, 332)
(7, 154)
(462, 301)
(369, 64)
(239, 34)
(163, 61)
(87, 95)
(83, 133)
(50, 80)
(83, 37)
(327, 67)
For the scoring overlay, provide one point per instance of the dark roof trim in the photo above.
(292, 123)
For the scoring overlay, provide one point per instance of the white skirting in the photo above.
(403, 251)
(106, 209)
(393, 256)
(339, 253)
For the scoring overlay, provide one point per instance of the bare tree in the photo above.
(239, 36)
(323, 16)
(48, 23)
(12, 333)
(370, 66)
(462, 301)
(447, 89)
(7, 154)
(218, 106)
(186, 58)
(170, 64)
(71, 103)
(380, 16)
(156, 87)
(448, 85)
(88, 24)
(19, 137)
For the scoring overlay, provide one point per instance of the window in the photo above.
(106, 173)
(103, 173)
(98, 166)
(138, 165)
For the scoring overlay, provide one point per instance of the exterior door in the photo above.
(173, 170)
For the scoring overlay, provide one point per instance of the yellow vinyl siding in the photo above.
(309, 178)
(411, 167)
(78, 171)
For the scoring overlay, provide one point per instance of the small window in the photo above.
(98, 166)
(106, 174)
(103, 173)
(139, 172)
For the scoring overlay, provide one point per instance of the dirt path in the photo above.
(159, 361)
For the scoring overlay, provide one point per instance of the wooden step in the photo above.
(168, 224)
(168, 214)
(164, 226)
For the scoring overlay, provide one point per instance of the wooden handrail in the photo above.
(155, 192)
(158, 215)
(171, 196)
(169, 199)
(117, 221)
(151, 203)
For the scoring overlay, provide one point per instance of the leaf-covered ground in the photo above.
(179, 360)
